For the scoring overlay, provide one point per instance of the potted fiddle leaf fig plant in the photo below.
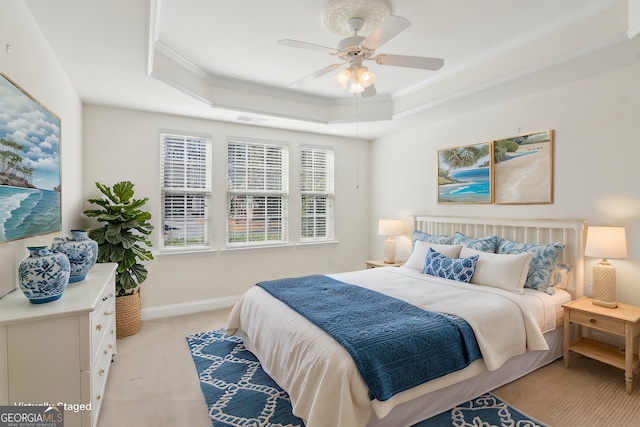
(121, 239)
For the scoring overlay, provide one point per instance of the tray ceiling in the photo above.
(219, 59)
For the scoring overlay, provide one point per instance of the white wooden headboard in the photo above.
(571, 233)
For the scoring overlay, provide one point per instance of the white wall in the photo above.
(33, 66)
(124, 145)
(596, 158)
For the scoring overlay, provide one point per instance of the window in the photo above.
(185, 164)
(257, 192)
(316, 194)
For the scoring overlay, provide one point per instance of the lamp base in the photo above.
(390, 250)
(604, 285)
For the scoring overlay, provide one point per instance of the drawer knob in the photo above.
(99, 327)
(101, 372)
(105, 298)
(108, 313)
(592, 320)
(106, 352)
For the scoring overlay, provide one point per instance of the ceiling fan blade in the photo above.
(307, 46)
(423, 63)
(390, 28)
(370, 91)
(315, 75)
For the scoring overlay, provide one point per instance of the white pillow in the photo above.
(504, 271)
(420, 249)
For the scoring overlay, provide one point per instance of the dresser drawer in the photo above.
(103, 319)
(597, 322)
(99, 375)
(94, 381)
(107, 346)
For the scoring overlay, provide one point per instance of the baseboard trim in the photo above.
(187, 308)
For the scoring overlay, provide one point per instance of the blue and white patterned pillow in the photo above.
(542, 265)
(430, 238)
(484, 244)
(460, 269)
(560, 276)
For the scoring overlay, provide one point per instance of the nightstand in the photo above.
(380, 263)
(623, 321)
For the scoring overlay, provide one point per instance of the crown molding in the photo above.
(247, 98)
(513, 45)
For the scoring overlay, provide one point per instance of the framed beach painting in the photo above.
(29, 165)
(523, 169)
(464, 174)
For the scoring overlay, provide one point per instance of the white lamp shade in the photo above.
(390, 227)
(606, 242)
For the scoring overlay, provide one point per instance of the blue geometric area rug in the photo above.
(237, 391)
(240, 394)
(484, 411)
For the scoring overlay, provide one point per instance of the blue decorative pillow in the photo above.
(460, 269)
(484, 244)
(542, 265)
(560, 276)
(430, 238)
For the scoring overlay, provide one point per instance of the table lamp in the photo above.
(390, 228)
(605, 242)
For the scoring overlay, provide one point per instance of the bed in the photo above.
(516, 327)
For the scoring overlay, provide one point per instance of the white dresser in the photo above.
(60, 352)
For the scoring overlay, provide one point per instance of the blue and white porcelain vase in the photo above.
(43, 275)
(81, 251)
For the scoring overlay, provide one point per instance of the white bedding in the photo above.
(320, 376)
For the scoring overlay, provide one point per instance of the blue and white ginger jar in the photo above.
(81, 251)
(43, 275)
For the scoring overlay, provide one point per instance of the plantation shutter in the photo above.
(316, 193)
(257, 192)
(185, 164)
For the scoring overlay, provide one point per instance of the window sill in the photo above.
(318, 243)
(202, 252)
(255, 248)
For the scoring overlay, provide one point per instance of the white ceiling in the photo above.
(219, 59)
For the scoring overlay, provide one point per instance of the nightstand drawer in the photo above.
(597, 322)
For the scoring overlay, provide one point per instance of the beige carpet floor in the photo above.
(153, 382)
(587, 394)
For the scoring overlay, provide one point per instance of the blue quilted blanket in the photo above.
(395, 345)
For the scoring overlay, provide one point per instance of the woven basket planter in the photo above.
(127, 315)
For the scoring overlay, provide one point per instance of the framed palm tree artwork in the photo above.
(464, 174)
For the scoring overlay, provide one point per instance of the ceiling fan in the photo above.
(354, 50)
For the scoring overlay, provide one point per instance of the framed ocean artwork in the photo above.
(464, 174)
(523, 169)
(29, 165)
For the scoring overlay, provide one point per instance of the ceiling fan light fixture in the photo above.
(356, 86)
(342, 78)
(366, 77)
(352, 19)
